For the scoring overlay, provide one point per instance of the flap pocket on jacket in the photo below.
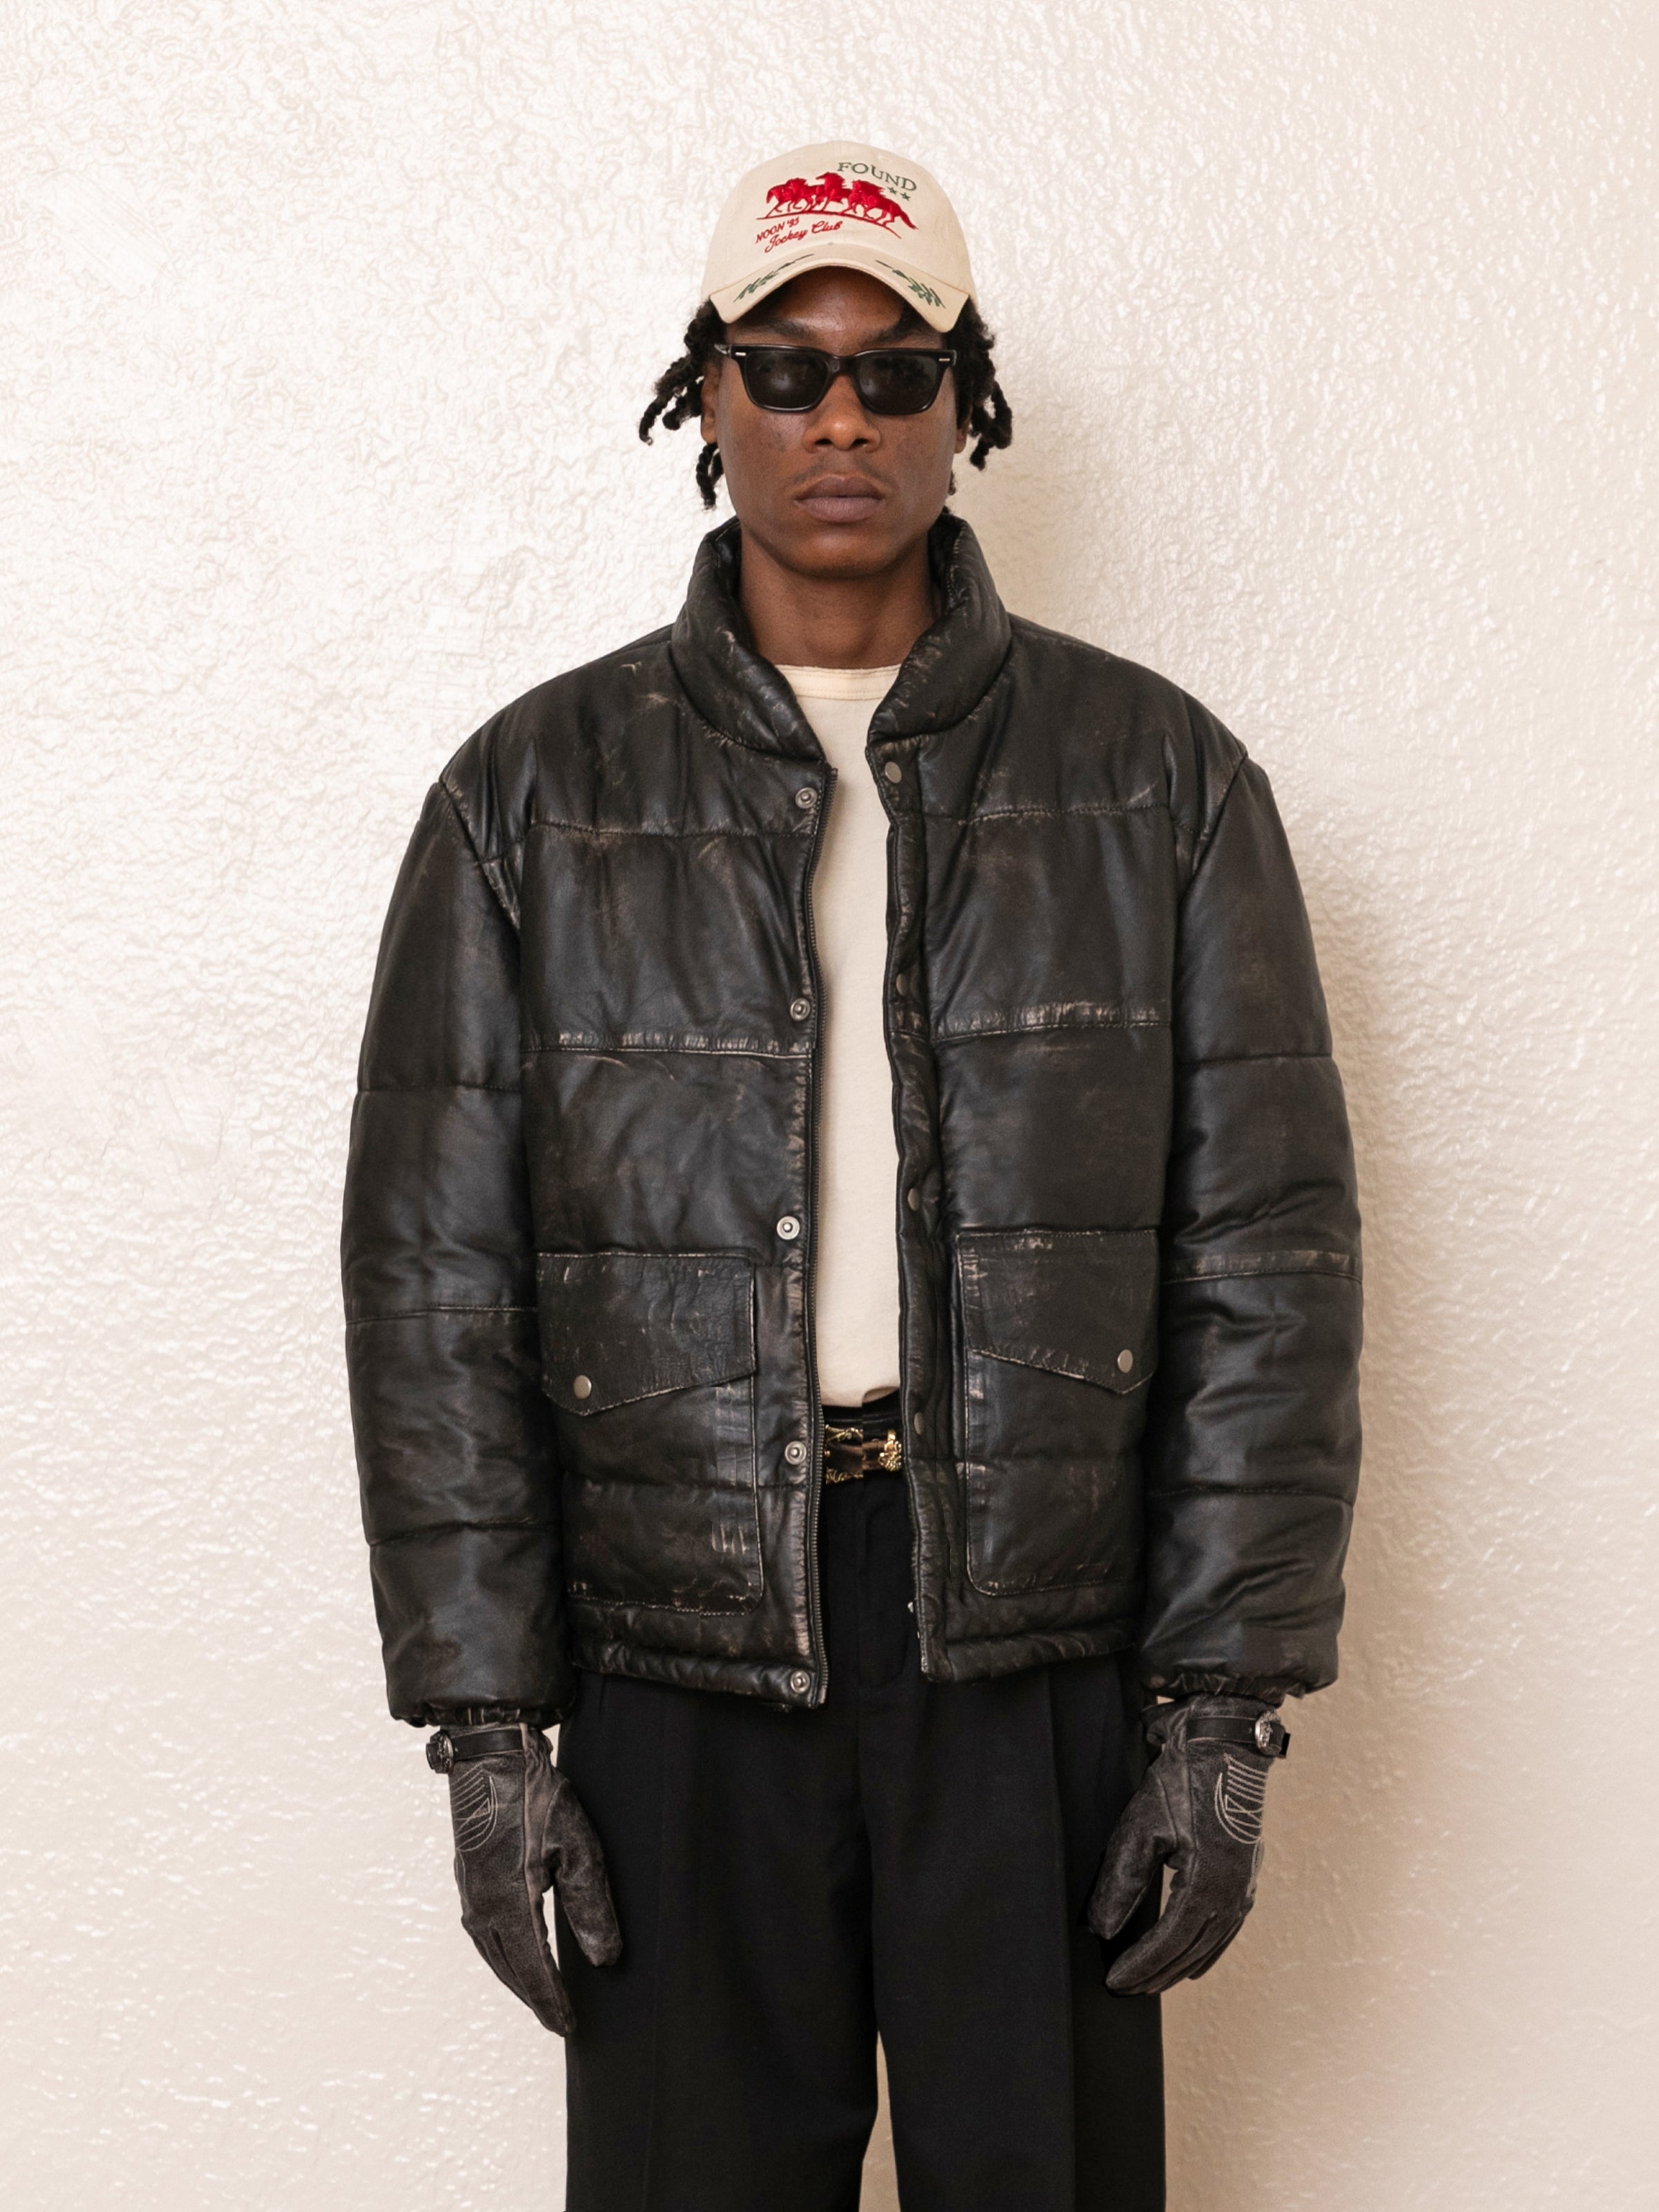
(620, 1326)
(1080, 1302)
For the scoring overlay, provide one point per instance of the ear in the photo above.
(711, 384)
(961, 437)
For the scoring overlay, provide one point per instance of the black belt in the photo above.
(860, 1440)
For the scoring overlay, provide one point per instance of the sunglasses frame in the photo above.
(841, 364)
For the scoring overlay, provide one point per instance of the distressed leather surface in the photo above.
(587, 1108)
(520, 1830)
(1198, 1810)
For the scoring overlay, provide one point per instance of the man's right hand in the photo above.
(519, 1827)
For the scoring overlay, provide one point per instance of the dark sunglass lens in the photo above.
(779, 377)
(902, 383)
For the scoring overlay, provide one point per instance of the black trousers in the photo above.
(913, 1859)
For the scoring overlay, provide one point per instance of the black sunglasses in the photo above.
(791, 380)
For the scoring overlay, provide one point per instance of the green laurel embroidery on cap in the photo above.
(767, 276)
(922, 291)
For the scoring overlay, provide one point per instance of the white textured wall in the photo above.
(322, 332)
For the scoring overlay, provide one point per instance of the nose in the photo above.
(839, 420)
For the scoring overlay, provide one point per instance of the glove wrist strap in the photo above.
(452, 1748)
(1265, 1734)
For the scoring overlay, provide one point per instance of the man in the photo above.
(853, 1273)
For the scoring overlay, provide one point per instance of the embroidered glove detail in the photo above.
(1241, 1798)
(519, 1827)
(471, 1806)
(1199, 1810)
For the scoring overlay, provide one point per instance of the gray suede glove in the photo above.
(518, 1828)
(1199, 1807)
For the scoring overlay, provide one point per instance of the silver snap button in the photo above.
(799, 1009)
(583, 1386)
(795, 1452)
(900, 985)
(916, 1422)
(893, 772)
(913, 1199)
(788, 1228)
(806, 796)
(800, 1683)
(1125, 1360)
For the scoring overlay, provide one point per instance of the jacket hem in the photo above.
(980, 1658)
(777, 1680)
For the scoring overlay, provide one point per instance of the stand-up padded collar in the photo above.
(947, 672)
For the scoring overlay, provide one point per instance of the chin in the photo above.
(847, 549)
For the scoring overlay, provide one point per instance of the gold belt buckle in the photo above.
(849, 1455)
(840, 1441)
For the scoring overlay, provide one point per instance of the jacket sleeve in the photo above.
(455, 1451)
(1253, 1437)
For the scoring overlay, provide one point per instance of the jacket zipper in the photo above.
(907, 1432)
(820, 1656)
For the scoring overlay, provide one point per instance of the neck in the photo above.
(836, 621)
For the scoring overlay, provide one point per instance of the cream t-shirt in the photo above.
(856, 1277)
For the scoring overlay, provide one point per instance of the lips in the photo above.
(841, 499)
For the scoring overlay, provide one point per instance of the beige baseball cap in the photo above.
(840, 205)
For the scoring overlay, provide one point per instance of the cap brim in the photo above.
(935, 301)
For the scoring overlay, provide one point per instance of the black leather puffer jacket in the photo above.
(580, 1215)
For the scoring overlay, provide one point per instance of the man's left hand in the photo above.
(1199, 1810)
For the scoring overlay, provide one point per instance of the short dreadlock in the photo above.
(980, 404)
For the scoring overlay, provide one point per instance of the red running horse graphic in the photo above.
(833, 193)
(874, 206)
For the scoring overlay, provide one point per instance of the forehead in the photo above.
(835, 308)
